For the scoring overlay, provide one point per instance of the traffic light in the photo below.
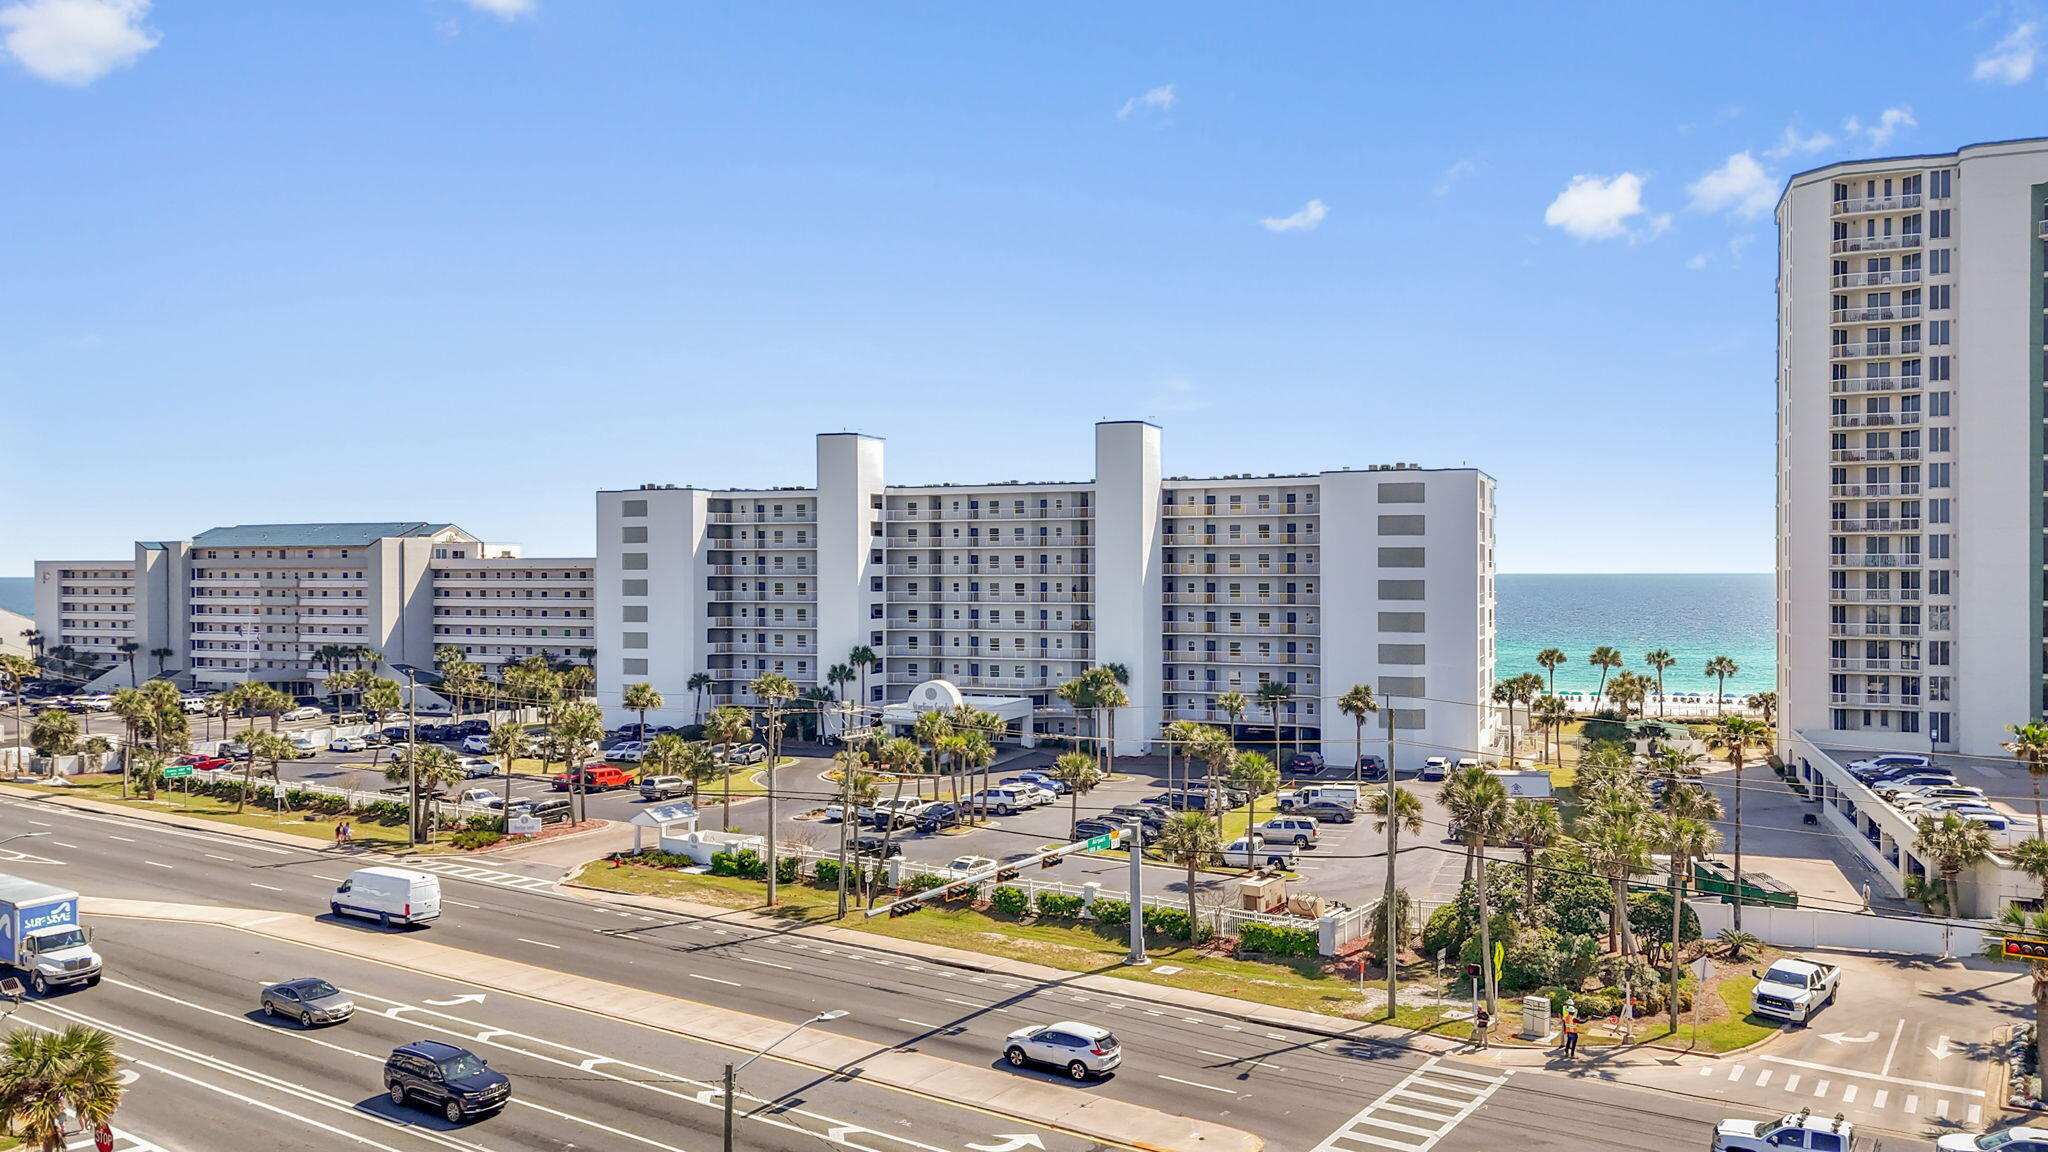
(1472, 970)
(2029, 947)
(904, 908)
(1003, 874)
(957, 892)
(1051, 861)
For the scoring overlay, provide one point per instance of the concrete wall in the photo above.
(849, 490)
(1798, 928)
(674, 602)
(1128, 571)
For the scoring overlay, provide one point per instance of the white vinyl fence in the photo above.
(1809, 928)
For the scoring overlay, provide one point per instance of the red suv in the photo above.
(594, 778)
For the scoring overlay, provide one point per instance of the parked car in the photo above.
(630, 752)
(1865, 769)
(1372, 768)
(481, 797)
(302, 712)
(1436, 768)
(309, 1000)
(1001, 801)
(1325, 811)
(1045, 780)
(233, 750)
(2003, 1140)
(395, 732)
(1251, 852)
(204, 763)
(375, 739)
(475, 766)
(665, 787)
(1033, 788)
(1301, 763)
(966, 866)
(470, 728)
(346, 744)
(593, 778)
(934, 817)
(455, 1082)
(193, 705)
(748, 754)
(1299, 830)
(303, 745)
(873, 846)
(1080, 1050)
(476, 745)
(548, 810)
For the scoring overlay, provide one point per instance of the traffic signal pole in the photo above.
(1137, 854)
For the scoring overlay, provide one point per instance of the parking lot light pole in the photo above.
(1137, 854)
(732, 1071)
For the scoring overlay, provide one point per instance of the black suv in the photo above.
(454, 1080)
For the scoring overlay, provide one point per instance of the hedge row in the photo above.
(1277, 941)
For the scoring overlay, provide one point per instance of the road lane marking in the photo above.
(767, 963)
(1941, 1108)
(968, 1004)
(265, 887)
(1735, 1073)
(1877, 1098)
(1763, 1077)
(1820, 1089)
(122, 839)
(538, 943)
(211, 856)
(61, 844)
(1240, 1060)
(1886, 1070)
(40, 823)
(918, 1023)
(329, 879)
(1792, 1082)
(1196, 1084)
(154, 864)
(1912, 1103)
(1809, 1065)
(715, 980)
(1849, 1094)
(1401, 1100)
(460, 903)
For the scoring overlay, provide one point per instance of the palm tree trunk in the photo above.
(1617, 918)
(888, 831)
(1194, 929)
(1485, 941)
(1678, 869)
(2032, 777)
(1736, 751)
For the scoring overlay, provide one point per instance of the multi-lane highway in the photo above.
(180, 987)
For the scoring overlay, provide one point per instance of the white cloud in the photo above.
(1304, 220)
(1158, 100)
(1601, 208)
(1698, 261)
(2011, 60)
(1740, 186)
(75, 41)
(1455, 173)
(504, 9)
(1737, 244)
(1791, 143)
(1889, 123)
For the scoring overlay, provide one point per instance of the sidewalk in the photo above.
(1097, 1118)
(1249, 1011)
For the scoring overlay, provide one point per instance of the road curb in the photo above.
(1248, 1011)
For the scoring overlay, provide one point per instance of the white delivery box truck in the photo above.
(40, 935)
(388, 896)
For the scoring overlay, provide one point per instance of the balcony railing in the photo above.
(1900, 664)
(1876, 313)
(810, 517)
(1205, 657)
(1855, 205)
(1856, 491)
(750, 647)
(1874, 700)
(1874, 420)
(1868, 629)
(1204, 627)
(1856, 455)
(939, 572)
(1877, 279)
(1192, 511)
(1078, 512)
(1876, 384)
(1876, 560)
(1898, 524)
(1008, 597)
(751, 570)
(737, 595)
(1874, 595)
(1878, 243)
(1283, 598)
(1873, 349)
(898, 515)
(1226, 540)
(1281, 568)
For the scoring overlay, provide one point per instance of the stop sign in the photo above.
(103, 1137)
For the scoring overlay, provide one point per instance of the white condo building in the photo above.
(1197, 587)
(1910, 484)
(258, 601)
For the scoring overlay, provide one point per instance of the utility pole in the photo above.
(412, 759)
(1387, 907)
(774, 734)
(845, 804)
(1137, 857)
(728, 1107)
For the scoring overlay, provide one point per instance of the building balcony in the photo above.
(1854, 664)
(1278, 600)
(905, 515)
(753, 571)
(1191, 511)
(756, 648)
(1877, 526)
(1876, 384)
(810, 517)
(936, 572)
(738, 595)
(1228, 540)
(1007, 598)
(1873, 700)
(1877, 279)
(1081, 512)
(1874, 595)
(1860, 455)
(442, 620)
(1876, 313)
(1206, 628)
(1903, 241)
(1862, 205)
(1872, 491)
(1873, 350)
(1204, 657)
(1294, 568)
(1874, 420)
(1874, 630)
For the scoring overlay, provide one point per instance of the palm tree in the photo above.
(1078, 772)
(1234, 705)
(1407, 815)
(1659, 660)
(128, 650)
(1721, 668)
(133, 712)
(900, 757)
(1606, 660)
(268, 747)
(1271, 695)
(775, 691)
(1737, 734)
(1532, 826)
(1189, 839)
(159, 655)
(1686, 833)
(1218, 753)
(1951, 844)
(2031, 857)
(1504, 693)
(1180, 735)
(838, 676)
(1766, 703)
(507, 741)
(53, 733)
(1110, 695)
(1079, 694)
(2029, 745)
(16, 671)
(1479, 801)
(1357, 702)
(697, 683)
(424, 769)
(641, 698)
(1616, 849)
(1551, 714)
(49, 1079)
(863, 658)
(576, 728)
(1257, 774)
(1550, 658)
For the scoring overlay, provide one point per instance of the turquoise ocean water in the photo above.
(18, 594)
(1696, 617)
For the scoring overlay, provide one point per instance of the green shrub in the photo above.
(1059, 904)
(1275, 940)
(1112, 911)
(473, 838)
(1445, 932)
(787, 869)
(724, 864)
(1531, 962)
(922, 882)
(747, 862)
(827, 873)
(1593, 1005)
(1010, 901)
(1168, 922)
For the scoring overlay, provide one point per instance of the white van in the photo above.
(388, 896)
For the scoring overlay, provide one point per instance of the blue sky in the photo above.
(469, 260)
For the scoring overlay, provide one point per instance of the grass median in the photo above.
(314, 827)
(1298, 983)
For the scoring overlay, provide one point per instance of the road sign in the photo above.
(1097, 843)
(177, 771)
(523, 826)
(1703, 970)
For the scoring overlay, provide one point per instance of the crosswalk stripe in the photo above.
(1735, 1073)
(1400, 1100)
(1877, 1098)
(1941, 1109)
(1444, 1100)
(1849, 1094)
(1763, 1078)
(1411, 1129)
(1976, 1114)
(1912, 1102)
(1428, 1083)
(1363, 1138)
(1792, 1082)
(1436, 1116)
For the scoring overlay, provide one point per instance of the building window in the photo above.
(633, 666)
(632, 507)
(633, 561)
(634, 534)
(1401, 557)
(1400, 493)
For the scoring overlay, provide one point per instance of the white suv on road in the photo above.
(1079, 1050)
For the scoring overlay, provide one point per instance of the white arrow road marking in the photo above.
(1010, 1143)
(127, 1076)
(1845, 1038)
(471, 998)
(1941, 1050)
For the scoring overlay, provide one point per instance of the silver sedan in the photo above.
(308, 1000)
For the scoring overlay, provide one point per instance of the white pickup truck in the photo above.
(1801, 1129)
(1792, 989)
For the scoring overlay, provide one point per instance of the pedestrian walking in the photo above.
(1571, 1035)
(344, 832)
(1482, 1026)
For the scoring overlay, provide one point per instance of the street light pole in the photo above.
(1137, 856)
(732, 1071)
